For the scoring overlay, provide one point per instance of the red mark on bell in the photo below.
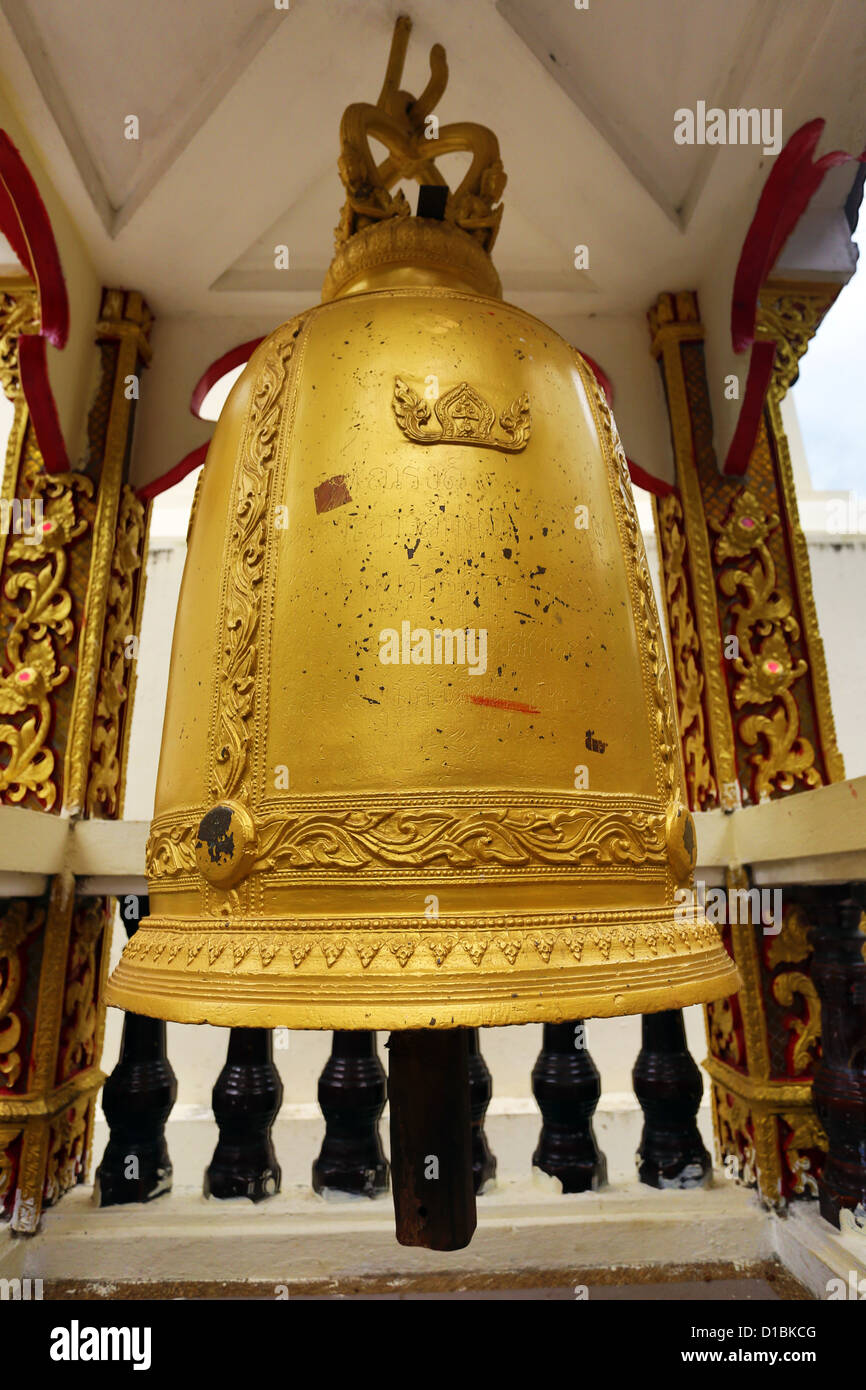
(503, 704)
(333, 493)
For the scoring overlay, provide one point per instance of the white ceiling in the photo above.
(239, 107)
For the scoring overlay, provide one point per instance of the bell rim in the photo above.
(245, 992)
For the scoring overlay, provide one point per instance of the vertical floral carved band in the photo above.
(766, 668)
(35, 584)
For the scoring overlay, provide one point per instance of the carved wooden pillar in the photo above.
(69, 597)
(480, 1092)
(137, 1100)
(748, 662)
(567, 1087)
(669, 1087)
(839, 973)
(246, 1099)
(755, 724)
(352, 1093)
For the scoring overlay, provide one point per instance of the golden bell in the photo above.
(420, 765)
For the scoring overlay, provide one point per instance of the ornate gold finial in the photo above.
(401, 122)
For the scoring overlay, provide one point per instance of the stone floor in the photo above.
(763, 1281)
(626, 1242)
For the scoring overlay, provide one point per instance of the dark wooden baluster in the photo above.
(839, 1087)
(480, 1091)
(567, 1087)
(352, 1093)
(431, 1138)
(137, 1100)
(668, 1084)
(246, 1099)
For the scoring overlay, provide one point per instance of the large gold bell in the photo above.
(420, 765)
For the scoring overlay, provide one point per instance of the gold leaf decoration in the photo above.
(16, 925)
(42, 626)
(465, 837)
(464, 417)
(807, 1032)
(19, 314)
(113, 689)
(685, 646)
(646, 616)
(765, 628)
(247, 548)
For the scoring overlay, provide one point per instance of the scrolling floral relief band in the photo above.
(115, 672)
(646, 616)
(765, 629)
(19, 921)
(461, 837)
(247, 547)
(42, 626)
(686, 652)
(19, 314)
(770, 481)
(764, 1048)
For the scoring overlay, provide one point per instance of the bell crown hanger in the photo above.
(377, 227)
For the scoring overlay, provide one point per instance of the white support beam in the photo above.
(813, 837)
(108, 848)
(32, 842)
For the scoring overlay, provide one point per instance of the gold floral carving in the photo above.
(52, 1115)
(16, 925)
(40, 629)
(19, 314)
(464, 418)
(685, 646)
(399, 122)
(807, 1032)
(460, 837)
(802, 574)
(674, 320)
(790, 317)
(646, 615)
(66, 1150)
(8, 1135)
(242, 596)
(807, 1133)
(465, 839)
(735, 1130)
(171, 851)
(792, 944)
(723, 1038)
(80, 1003)
(125, 320)
(223, 951)
(745, 952)
(764, 626)
(103, 786)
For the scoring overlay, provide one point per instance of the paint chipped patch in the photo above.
(214, 834)
(513, 705)
(331, 494)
